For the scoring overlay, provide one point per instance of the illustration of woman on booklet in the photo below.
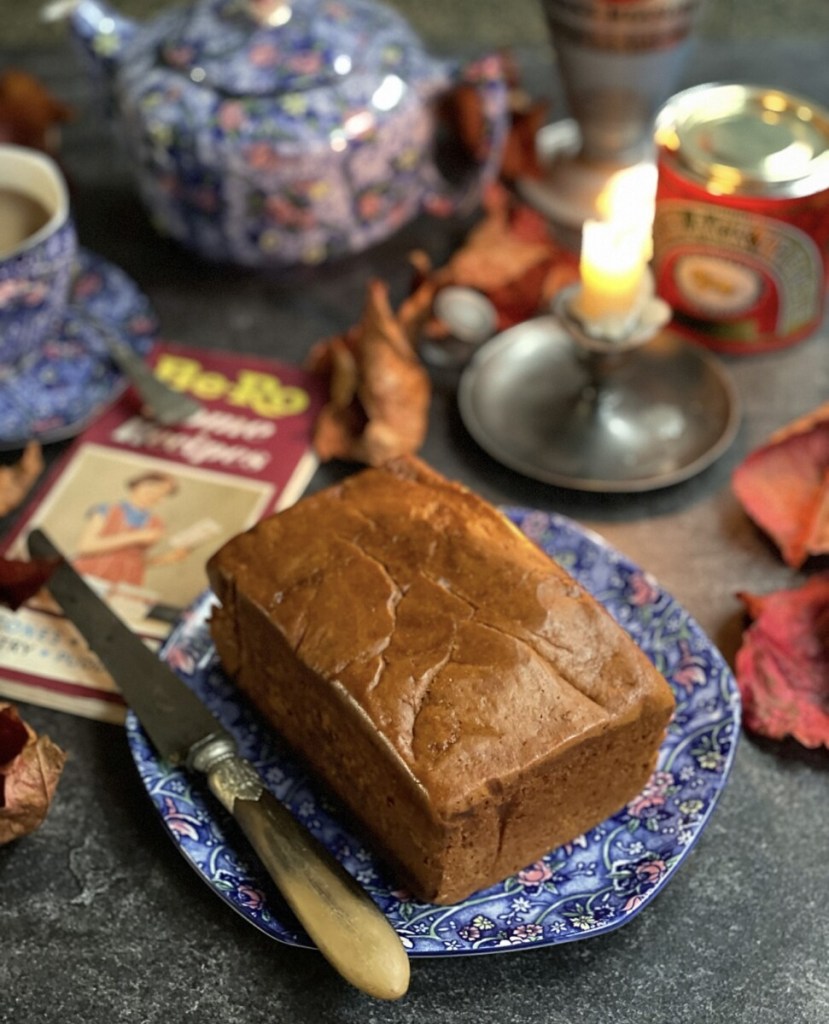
(117, 536)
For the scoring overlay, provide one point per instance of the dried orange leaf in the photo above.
(29, 114)
(527, 116)
(379, 392)
(30, 767)
(493, 254)
(784, 487)
(469, 138)
(511, 257)
(520, 158)
(782, 667)
(464, 109)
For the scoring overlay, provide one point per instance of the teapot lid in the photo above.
(262, 47)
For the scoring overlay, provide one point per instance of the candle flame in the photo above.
(629, 200)
(616, 248)
(630, 194)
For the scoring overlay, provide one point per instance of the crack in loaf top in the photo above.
(447, 627)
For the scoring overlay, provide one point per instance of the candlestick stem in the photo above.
(617, 64)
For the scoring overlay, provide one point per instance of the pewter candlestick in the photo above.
(618, 61)
(567, 405)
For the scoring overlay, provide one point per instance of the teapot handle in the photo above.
(470, 155)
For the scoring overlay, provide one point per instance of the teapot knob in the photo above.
(271, 13)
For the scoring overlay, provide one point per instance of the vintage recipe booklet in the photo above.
(139, 507)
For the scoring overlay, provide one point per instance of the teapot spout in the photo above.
(101, 32)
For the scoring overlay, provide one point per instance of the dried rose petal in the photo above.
(13, 736)
(20, 580)
(782, 667)
(30, 767)
(784, 487)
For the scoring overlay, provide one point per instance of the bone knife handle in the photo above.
(347, 926)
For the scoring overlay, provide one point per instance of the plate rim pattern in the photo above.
(591, 886)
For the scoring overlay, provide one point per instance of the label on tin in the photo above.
(739, 276)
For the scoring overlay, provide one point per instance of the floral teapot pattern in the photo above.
(276, 133)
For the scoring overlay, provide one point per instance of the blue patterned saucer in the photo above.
(52, 393)
(590, 886)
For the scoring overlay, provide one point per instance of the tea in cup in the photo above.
(38, 246)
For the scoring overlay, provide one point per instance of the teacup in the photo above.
(38, 246)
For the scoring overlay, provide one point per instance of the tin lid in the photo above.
(748, 140)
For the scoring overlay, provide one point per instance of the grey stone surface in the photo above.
(517, 23)
(102, 922)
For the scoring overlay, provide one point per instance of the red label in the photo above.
(741, 274)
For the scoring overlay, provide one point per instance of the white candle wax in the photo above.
(612, 267)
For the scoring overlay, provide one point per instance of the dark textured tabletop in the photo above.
(103, 922)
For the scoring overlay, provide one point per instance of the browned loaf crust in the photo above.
(461, 693)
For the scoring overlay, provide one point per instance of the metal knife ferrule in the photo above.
(229, 776)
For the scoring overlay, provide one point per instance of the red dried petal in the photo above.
(20, 580)
(784, 487)
(782, 667)
(13, 736)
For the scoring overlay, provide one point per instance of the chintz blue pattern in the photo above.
(55, 389)
(290, 143)
(34, 284)
(594, 884)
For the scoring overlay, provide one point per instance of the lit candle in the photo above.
(612, 268)
(615, 251)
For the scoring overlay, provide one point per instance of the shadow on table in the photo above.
(790, 750)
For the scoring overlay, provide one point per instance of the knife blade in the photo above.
(338, 914)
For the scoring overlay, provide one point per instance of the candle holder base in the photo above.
(618, 419)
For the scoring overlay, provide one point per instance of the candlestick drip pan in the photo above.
(645, 418)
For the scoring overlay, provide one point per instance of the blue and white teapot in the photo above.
(274, 133)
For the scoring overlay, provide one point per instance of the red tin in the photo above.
(741, 231)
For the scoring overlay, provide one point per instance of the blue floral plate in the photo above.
(587, 887)
(54, 391)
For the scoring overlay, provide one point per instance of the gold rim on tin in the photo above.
(743, 139)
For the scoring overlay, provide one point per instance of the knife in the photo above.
(347, 926)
